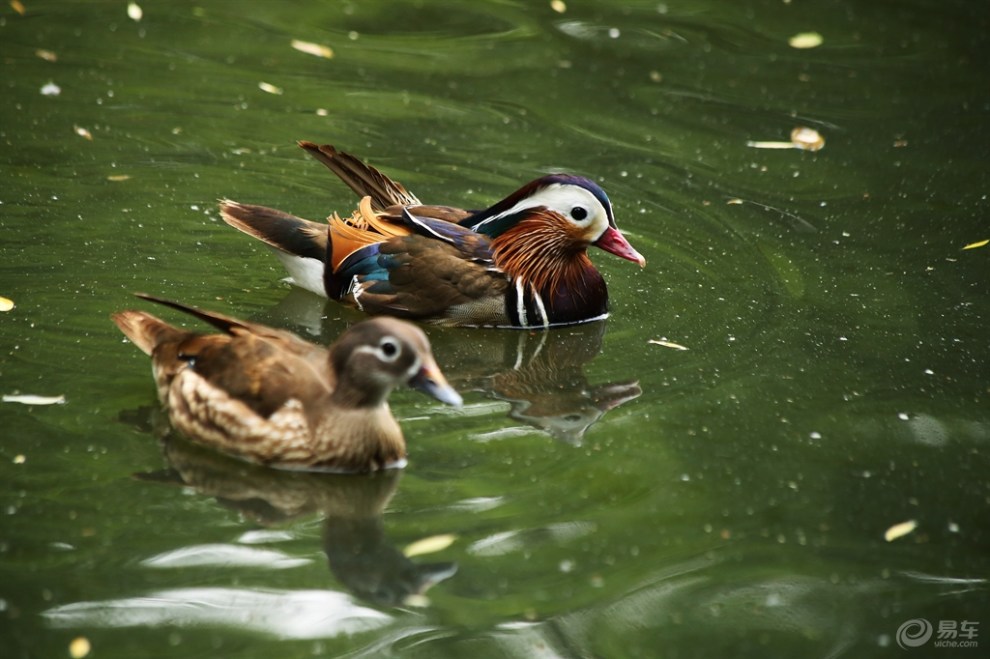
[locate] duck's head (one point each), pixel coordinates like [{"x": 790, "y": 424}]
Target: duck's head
[
  {"x": 575, "y": 205},
  {"x": 377, "y": 355}
]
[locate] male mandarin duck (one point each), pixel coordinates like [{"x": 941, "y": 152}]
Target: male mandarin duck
[
  {"x": 269, "y": 397},
  {"x": 521, "y": 263}
]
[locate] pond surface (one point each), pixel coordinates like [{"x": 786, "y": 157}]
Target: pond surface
[{"x": 602, "y": 493}]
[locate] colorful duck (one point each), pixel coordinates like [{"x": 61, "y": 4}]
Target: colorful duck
[{"x": 520, "y": 263}]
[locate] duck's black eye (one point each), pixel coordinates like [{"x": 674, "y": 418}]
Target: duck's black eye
[
  {"x": 579, "y": 213},
  {"x": 389, "y": 348}
]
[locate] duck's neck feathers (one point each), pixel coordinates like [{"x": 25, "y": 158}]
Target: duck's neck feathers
[{"x": 552, "y": 280}]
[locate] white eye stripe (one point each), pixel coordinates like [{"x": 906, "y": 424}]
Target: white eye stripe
[
  {"x": 388, "y": 349},
  {"x": 414, "y": 369},
  {"x": 560, "y": 198}
]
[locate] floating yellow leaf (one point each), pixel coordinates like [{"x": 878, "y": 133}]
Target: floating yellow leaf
[
  {"x": 802, "y": 137},
  {"x": 18, "y": 6},
  {"x": 805, "y": 40},
  {"x": 47, "y": 55},
  {"x": 735, "y": 202},
  {"x": 118, "y": 177},
  {"x": 315, "y": 49},
  {"x": 558, "y": 6},
  {"x": 6, "y": 304},
  {"x": 82, "y": 132},
  {"x": 899, "y": 530},
  {"x": 79, "y": 647},
  {"x": 416, "y": 600},
  {"x": 762, "y": 144},
  {"x": 806, "y": 138},
  {"x": 271, "y": 89},
  {"x": 19, "y": 459},
  {"x": 667, "y": 344},
  {"x": 979, "y": 243},
  {"x": 134, "y": 11},
  {"x": 31, "y": 399},
  {"x": 429, "y": 545}
]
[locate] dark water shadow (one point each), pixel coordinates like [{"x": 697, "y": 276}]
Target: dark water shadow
[{"x": 359, "y": 552}]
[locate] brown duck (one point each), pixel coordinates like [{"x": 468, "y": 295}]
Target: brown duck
[{"x": 269, "y": 397}]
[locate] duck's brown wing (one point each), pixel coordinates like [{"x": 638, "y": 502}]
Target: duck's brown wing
[
  {"x": 362, "y": 178},
  {"x": 260, "y": 371},
  {"x": 260, "y": 365}
]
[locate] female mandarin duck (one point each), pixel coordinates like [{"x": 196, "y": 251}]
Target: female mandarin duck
[
  {"x": 267, "y": 396},
  {"x": 522, "y": 262}
]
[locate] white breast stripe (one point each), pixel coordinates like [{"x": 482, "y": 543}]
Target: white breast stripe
[
  {"x": 538, "y": 301},
  {"x": 521, "y": 303},
  {"x": 356, "y": 289}
]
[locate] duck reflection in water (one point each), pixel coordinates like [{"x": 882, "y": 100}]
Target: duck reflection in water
[
  {"x": 359, "y": 552},
  {"x": 539, "y": 374}
]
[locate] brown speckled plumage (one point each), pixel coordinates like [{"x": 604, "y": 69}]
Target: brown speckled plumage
[{"x": 269, "y": 397}]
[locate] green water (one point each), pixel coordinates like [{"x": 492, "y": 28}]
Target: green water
[{"x": 609, "y": 496}]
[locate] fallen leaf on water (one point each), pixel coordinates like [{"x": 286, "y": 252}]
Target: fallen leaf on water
[
  {"x": 134, "y": 11},
  {"x": 31, "y": 399},
  {"x": 763, "y": 144},
  {"x": 17, "y": 6},
  {"x": 558, "y": 6},
  {"x": 118, "y": 177},
  {"x": 417, "y": 600},
  {"x": 806, "y": 138},
  {"x": 19, "y": 459},
  {"x": 50, "y": 89},
  {"x": 899, "y": 530},
  {"x": 315, "y": 49},
  {"x": 47, "y": 55},
  {"x": 979, "y": 243},
  {"x": 735, "y": 202},
  {"x": 805, "y": 40},
  {"x": 668, "y": 344},
  {"x": 271, "y": 89},
  {"x": 79, "y": 647},
  {"x": 82, "y": 132},
  {"x": 6, "y": 304},
  {"x": 802, "y": 137},
  {"x": 429, "y": 545}
]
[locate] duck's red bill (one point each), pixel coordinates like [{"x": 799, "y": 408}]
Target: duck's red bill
[{"x": 614, "y": 242}]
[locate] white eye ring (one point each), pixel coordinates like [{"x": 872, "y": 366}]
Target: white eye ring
[{"x": 389, "y": 349}]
